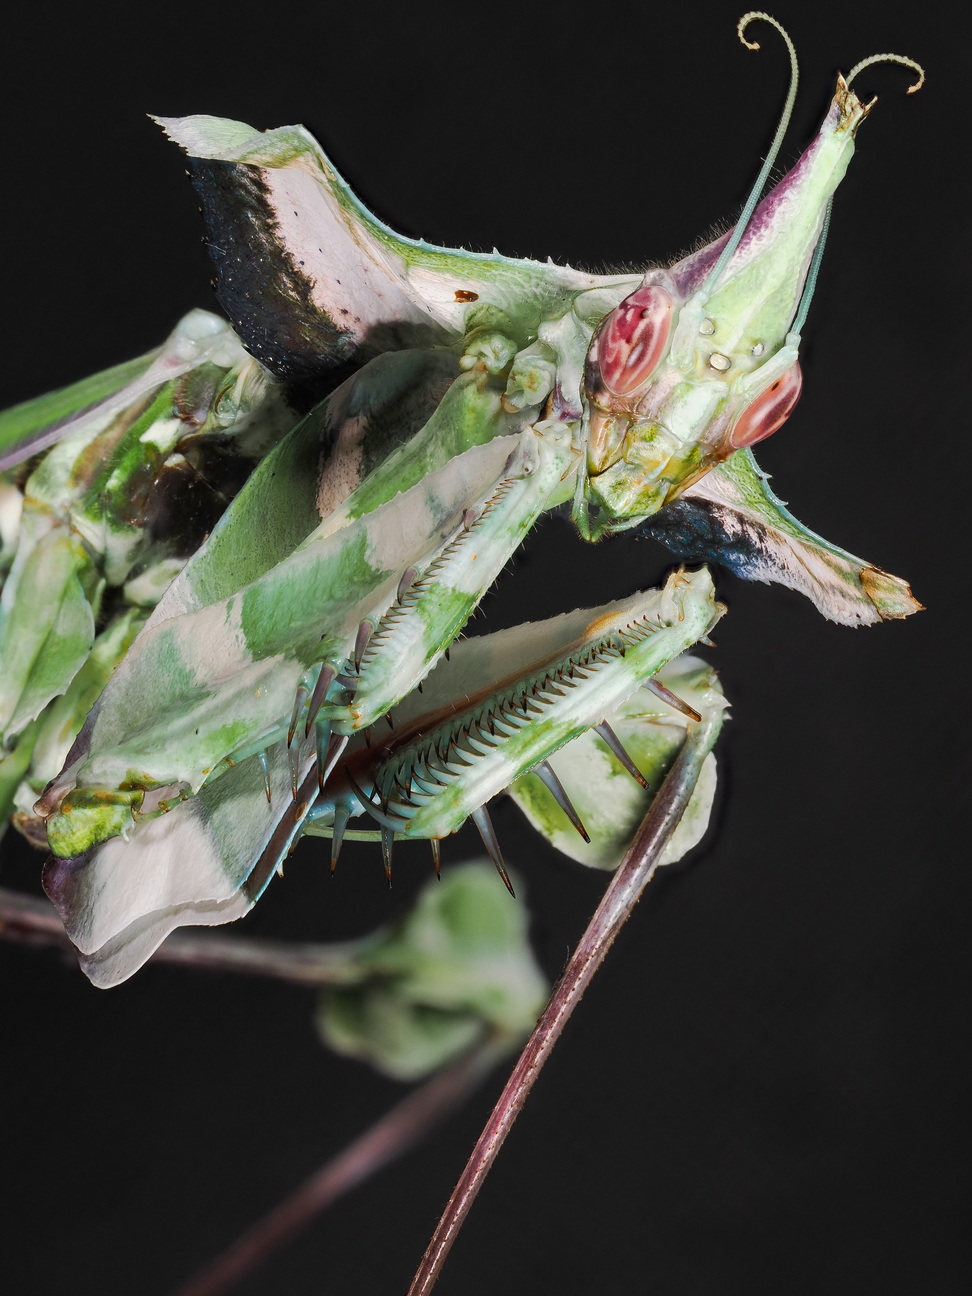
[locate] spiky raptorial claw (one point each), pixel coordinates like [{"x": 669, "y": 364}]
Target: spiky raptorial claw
[
  {"x": 293, "y": 759},
  {"x": 666, "y": 695},
  {"x": 378, "y": 813},
  {"x": 365, "y": 631},
  {"x": 477, "y": 723},
  {"x": 300, "y": 701},
  {"x": 546, "y": 774},
  {"x": 387, "y": 845},
  {"x": 322, "y": 742},
  {"x": 407, "y": 581},
  {"x": 480, "y": 817},
  {"x": 651, "y": 734},
  {"x": 265, "y": 766},
  {"x": 621, "y": 752},
  {"x": 341, "y": 817},
  {"x": 324, "y": 680}
]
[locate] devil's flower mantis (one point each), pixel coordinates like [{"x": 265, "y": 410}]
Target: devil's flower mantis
[{"x": 466, "y": 395}]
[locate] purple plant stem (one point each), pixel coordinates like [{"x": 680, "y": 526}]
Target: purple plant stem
[
  {"x": 623, "y": 892},
  {"x": 390, "y": 1136},
  {"x": 33, "y": 921}
]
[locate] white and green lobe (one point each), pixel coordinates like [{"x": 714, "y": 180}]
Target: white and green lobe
[{"x": 610, "y": 803}]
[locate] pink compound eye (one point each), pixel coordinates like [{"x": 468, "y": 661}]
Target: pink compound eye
[
  {"x": 634, "y": 338},
  {"x": 769, "y": 411}
]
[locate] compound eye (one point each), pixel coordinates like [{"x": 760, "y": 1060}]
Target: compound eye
[
  {"x": 769, "y": 411},
  {"x": 633, "y": 339}
]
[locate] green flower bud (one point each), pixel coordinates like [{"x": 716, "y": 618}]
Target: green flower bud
[{"x": 456, "y": 967}]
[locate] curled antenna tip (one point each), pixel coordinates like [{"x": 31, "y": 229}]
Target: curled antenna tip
[
  {"x": 749, "y": 207},
  {"x": 890, "y": 58},
  {"x": 753, "y": 16}
]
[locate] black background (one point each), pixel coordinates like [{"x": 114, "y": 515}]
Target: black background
[{"x": 765, "y": 1090}]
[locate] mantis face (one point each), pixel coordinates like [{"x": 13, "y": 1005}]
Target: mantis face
[{"x": 702, "y": 359}]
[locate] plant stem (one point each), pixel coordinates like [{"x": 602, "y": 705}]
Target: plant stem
[
  {"x": 623, "y": 892},
  {"x": 32, "y": 921},
  {"x": 390, "y": 1136}
]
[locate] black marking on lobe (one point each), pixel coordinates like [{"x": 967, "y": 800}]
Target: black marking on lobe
[
  {"x": 258, "y": 283},
  {"x": 702, "y": 531}
]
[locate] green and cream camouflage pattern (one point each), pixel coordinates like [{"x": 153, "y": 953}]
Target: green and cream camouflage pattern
[
  {"x": 411, "y": 411},
  {"x": 139, "y": 464}
]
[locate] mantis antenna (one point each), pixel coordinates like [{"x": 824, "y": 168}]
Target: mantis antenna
[
  {"x": 757, "y": 189},
  {"x": 805, "y": 299},
  {"x": 890, "y": 58}
]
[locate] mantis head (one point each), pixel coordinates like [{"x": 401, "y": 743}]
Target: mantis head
[{"x": 702, "y": 359}]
